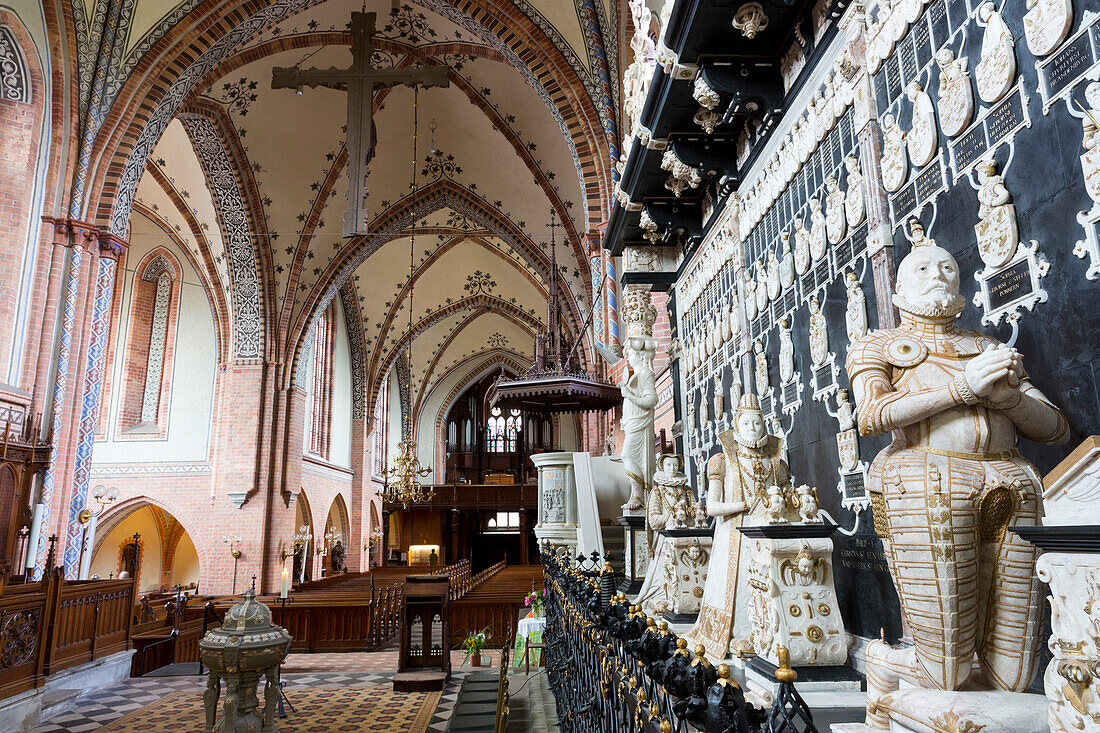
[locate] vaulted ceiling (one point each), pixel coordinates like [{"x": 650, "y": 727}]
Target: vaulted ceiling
[{"x": 252, "y": 180}]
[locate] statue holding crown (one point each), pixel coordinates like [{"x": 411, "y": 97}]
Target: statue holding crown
[
  {"x": 739, "y": 480},
  {"x": 947, "y": 489}
]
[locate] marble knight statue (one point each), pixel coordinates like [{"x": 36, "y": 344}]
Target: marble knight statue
[
  {"x": 946, "y": 489},
  {"x": 738, "y": 484}
]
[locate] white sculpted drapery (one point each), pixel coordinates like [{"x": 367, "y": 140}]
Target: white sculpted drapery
[{"x": 639, "y": 398}]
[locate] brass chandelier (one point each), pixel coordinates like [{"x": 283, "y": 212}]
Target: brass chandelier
[{"x": 404, "y": 473}]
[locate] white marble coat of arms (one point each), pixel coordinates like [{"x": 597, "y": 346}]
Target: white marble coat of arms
[
  {"x": 955, "y": 93},
  {"x": 1046, "y": 24}
]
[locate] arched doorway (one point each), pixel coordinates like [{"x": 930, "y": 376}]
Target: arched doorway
[
  {"x": 334, "y": 543},
  {"x": 148, "y": 543}
]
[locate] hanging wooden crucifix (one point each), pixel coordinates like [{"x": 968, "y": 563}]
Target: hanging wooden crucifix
[{"x": 360, "y": 81}]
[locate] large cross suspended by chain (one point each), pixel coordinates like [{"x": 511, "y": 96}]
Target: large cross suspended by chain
[{"x": 359, "y": 80}]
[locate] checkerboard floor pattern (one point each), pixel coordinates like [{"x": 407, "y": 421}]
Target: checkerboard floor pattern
[{"x": 99, "y": 707}]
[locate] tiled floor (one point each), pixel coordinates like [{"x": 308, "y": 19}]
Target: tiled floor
[{"x": 97, "y": 708}]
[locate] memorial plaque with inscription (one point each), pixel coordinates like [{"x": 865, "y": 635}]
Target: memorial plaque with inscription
[
  {"x": 790, "y": 392},
  {"x": 881, "y": 89},
  {"x": 823, "y": 378},
  {"x": 854, "y": 486},
  {"x": 859, "y": 241},
  {"x": 1069, "y": 64},
  {"x": 893, "y": 78},
  {"x": 766, "y": 406},
  {"x": 922, "y": 42},
  {"x": 1009, "y": 285},
  {"x": 903, "y": 203},
  {"x": 957, "y": 13},
  {"x": 937, "y": 17},
  {"x": 907, "y": 54},
  {"x": 969, "y": 146},
  {"x": 1005, "y": 118},
  {"x": 929, "y": 182}
]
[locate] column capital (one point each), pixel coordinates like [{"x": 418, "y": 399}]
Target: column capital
[
  {"x": 111, "y": 245},
  {"x": 70, "y": 232}
]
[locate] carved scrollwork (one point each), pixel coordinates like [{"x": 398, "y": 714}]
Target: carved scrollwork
[{"x": 18, "y": 638}]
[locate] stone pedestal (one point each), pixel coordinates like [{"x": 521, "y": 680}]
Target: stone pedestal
[
  {"x": 636, "y": 553},
  {"x": 793, "y": 601},
  {"x": 557, "y": 500},
  {"x": 677, "y": 575},
  {"x": 1070, "y": 565},
  {"x": 689, "y": 555}
]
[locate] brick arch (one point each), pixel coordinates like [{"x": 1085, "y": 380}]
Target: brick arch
[
  {"x": 479, "y": 301},
  {"x": 389, "y": 225},
  {"x": 420, "y": 392},
  {"x": 499, "y": 359},
  {"x": 236, "y": 198},
  {"x": 208, "y": 277},
  {"x": 184, "y": 56},
  {"x": 140, "y": 347},
  {"x": 422, "y": 269},
  {"x": 113, "y": 516},
  {"x": 22, "y": 108},
  {"x": 353, "y": 320},
  {"x": 157, "y": 260}
]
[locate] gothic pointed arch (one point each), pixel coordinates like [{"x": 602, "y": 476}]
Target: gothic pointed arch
[
  {"x": 240, "y": 213},
  {"x": 443, "y": 192}
]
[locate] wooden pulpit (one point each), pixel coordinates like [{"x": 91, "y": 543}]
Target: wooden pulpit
[{"x": 424, "y": 662}]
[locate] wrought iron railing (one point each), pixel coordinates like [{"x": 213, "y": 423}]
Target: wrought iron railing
[{"x": 612, "y": 668}]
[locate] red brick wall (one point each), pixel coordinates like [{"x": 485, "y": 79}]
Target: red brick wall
[{"x": 20, "y": 130}]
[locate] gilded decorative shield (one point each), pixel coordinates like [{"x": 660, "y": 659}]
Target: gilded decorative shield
[
  {"x": 1047, "y": 24},
  {"x": 848, "y": 448},
  {"x": 998, "y": 236},
  {"x": 1090, "y": 166}
]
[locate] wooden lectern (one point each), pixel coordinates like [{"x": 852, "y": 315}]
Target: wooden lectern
[{"x": 424, "y": 663}]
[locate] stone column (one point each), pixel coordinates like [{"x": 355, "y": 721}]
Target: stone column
[
  {"x": 557, "y": 499},
  {"x": 73, "y": 408}
]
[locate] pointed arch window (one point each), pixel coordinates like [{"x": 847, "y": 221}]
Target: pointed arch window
[
  {"x": 154, "y": 306},
  {"x": 502, "y": 431},
  {"x": 380, "y": 455},
  {"x": 320, "y": 394}
]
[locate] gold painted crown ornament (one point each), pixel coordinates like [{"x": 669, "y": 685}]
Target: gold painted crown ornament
[{"x": 749, "y": 403}]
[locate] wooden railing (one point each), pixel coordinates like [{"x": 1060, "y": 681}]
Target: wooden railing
[
  {"x": 494, "y": 601},
  {"x": 335, "y": 619},
  {"x": 57, "y": 624}
]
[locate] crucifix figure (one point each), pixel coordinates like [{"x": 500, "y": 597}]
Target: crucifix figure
[{"x": 360, "y": 81}]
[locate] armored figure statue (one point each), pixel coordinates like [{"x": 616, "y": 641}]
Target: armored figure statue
[
  {"x": 946, "y": 489},
  {"x": 835, "y": 221},
  {"x": 855, "y": 314}
]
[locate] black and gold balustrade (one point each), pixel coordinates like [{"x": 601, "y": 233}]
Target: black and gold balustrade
[{"x": 612, "y": 668}]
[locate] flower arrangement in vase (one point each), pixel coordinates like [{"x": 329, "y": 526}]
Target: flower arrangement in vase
[
  {"x": 535, "y": 600},
  {"x": 473, "y": 644}
]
